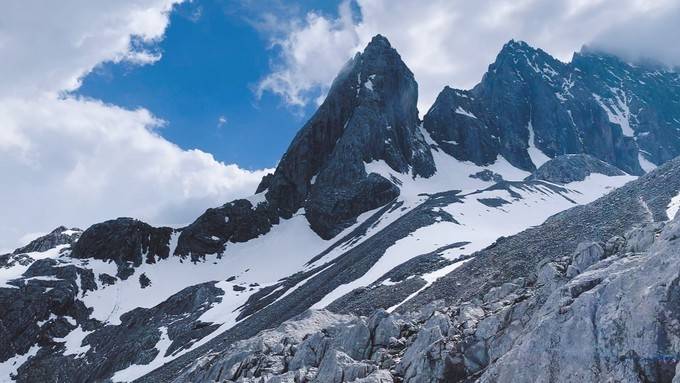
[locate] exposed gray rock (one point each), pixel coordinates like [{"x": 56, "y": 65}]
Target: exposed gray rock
[
  {"x": 383, "y": 328},
  {"x": 587, "y": 254},
  {"x": 369, "y": 114},
  {"x": 621, "y": 325},
  {"x": 338, "y": 367},
  {"x": 573, "y": 167},
  {"x": 618, "y": 317},
  {"x": 424, "y": 360},
  {"x": 125, "y": 241},
  {"x": 564, "y": 108},
  {"x": 355, "y": 340},
  {"x": 299, "y": 341}
]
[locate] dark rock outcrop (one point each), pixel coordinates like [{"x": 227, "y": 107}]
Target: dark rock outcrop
[
  {"x": 58, "y": 236},
  {"x": 237, "y": 221},
  {"x": 125, "y": 241},
  {"x": 136, "y": 340},
  {"x": 49, "y": 290},
  {"x": 573, "y": 167}
]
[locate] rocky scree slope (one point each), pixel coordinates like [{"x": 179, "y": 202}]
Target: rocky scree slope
[
  {"x": 530, "y": 107},
  {"x": 604, "y": 310}
]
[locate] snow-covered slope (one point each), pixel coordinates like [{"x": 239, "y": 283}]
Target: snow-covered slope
[{"x": 480, "y": 212}]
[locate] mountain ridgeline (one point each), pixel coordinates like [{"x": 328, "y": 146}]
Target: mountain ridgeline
[
  {"x": 528, "y": 108},
  {"x": 386, "y": 248},
  {"x": 597, "y": 104}
]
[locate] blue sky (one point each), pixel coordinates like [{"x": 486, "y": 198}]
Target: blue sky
[{"x": 213, "y": 56}]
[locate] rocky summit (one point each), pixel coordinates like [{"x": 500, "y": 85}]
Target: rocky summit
[
  {"x": 524, "y": 230},
  {"x": 530, "y": 107}
]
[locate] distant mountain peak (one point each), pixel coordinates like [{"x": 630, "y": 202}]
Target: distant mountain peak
[
  {"x": 379, "y": 40},
  {"x": 530, "y": 107},
  {"x": 370, "y": 114}
]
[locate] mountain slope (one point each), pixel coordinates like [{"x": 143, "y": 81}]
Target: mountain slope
[
  {"x": 368, "y": 209},
  {"x": 595, "y": 286},
  {"x": 370, "y": 114},
  {"x": 530, "y": 107}
]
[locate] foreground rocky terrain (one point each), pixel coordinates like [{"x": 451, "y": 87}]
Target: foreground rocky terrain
[
  {"x": 526, "y": 216},
  {"x": 606, "y": 311}
]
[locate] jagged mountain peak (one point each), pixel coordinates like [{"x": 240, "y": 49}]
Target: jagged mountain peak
[
  {"x": 514, "y": 47},
  {"x": 523, "y": 63},
  {"x": 530, "y": 107},
  {"x": 379, "y": 40},
  {"x": 370, "y": 114},
  {"x": 59, "y": 236},
  {"x": 378, "y": 47}
]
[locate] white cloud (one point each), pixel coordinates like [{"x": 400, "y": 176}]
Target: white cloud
[
  {"x": 72, "y": 161},
  {"x": 85, "y": 161},
  {"x": 49, "y": 46},
  {"x": 312, "y": 50},
  {"x": 451, "y": 42},
  {"x": 650, "y": 36}
]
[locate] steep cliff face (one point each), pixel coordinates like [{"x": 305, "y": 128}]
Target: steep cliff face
[
  {"x": 530, "y": 107},
  {"x": 369, "y": 114}
]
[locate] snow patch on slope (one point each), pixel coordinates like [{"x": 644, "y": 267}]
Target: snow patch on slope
[
  {"x": 14, "y": 272},
  {"x": 263, "y": 260},
  {"x": 73, "y": 341},
  {"x": 673, "y": 207},
  {"x": 464, "y": 112},
  {"x": 617, "y": 111},
  {"x": 645, "y": 164},
  {"x": 430, "y": 278},
  {"x": 480, "y": 225},
  {"x": 537, "y": 156},
  {"x": 8, "y": 368}
]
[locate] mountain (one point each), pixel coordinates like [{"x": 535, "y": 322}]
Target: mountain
[
  {"x": 434, "y": 246},
  {"x": 530, "y": 107},
  {"x": 590, "y": 295}
]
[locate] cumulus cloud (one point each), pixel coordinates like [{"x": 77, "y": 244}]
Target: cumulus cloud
[
  {"x": 311, "y": 50},
  {"x": 73, "y": 161},
  {"x": 451, "y": 42}
]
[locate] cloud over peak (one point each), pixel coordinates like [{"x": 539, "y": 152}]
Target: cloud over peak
[{"x": 447, "y": 42}]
